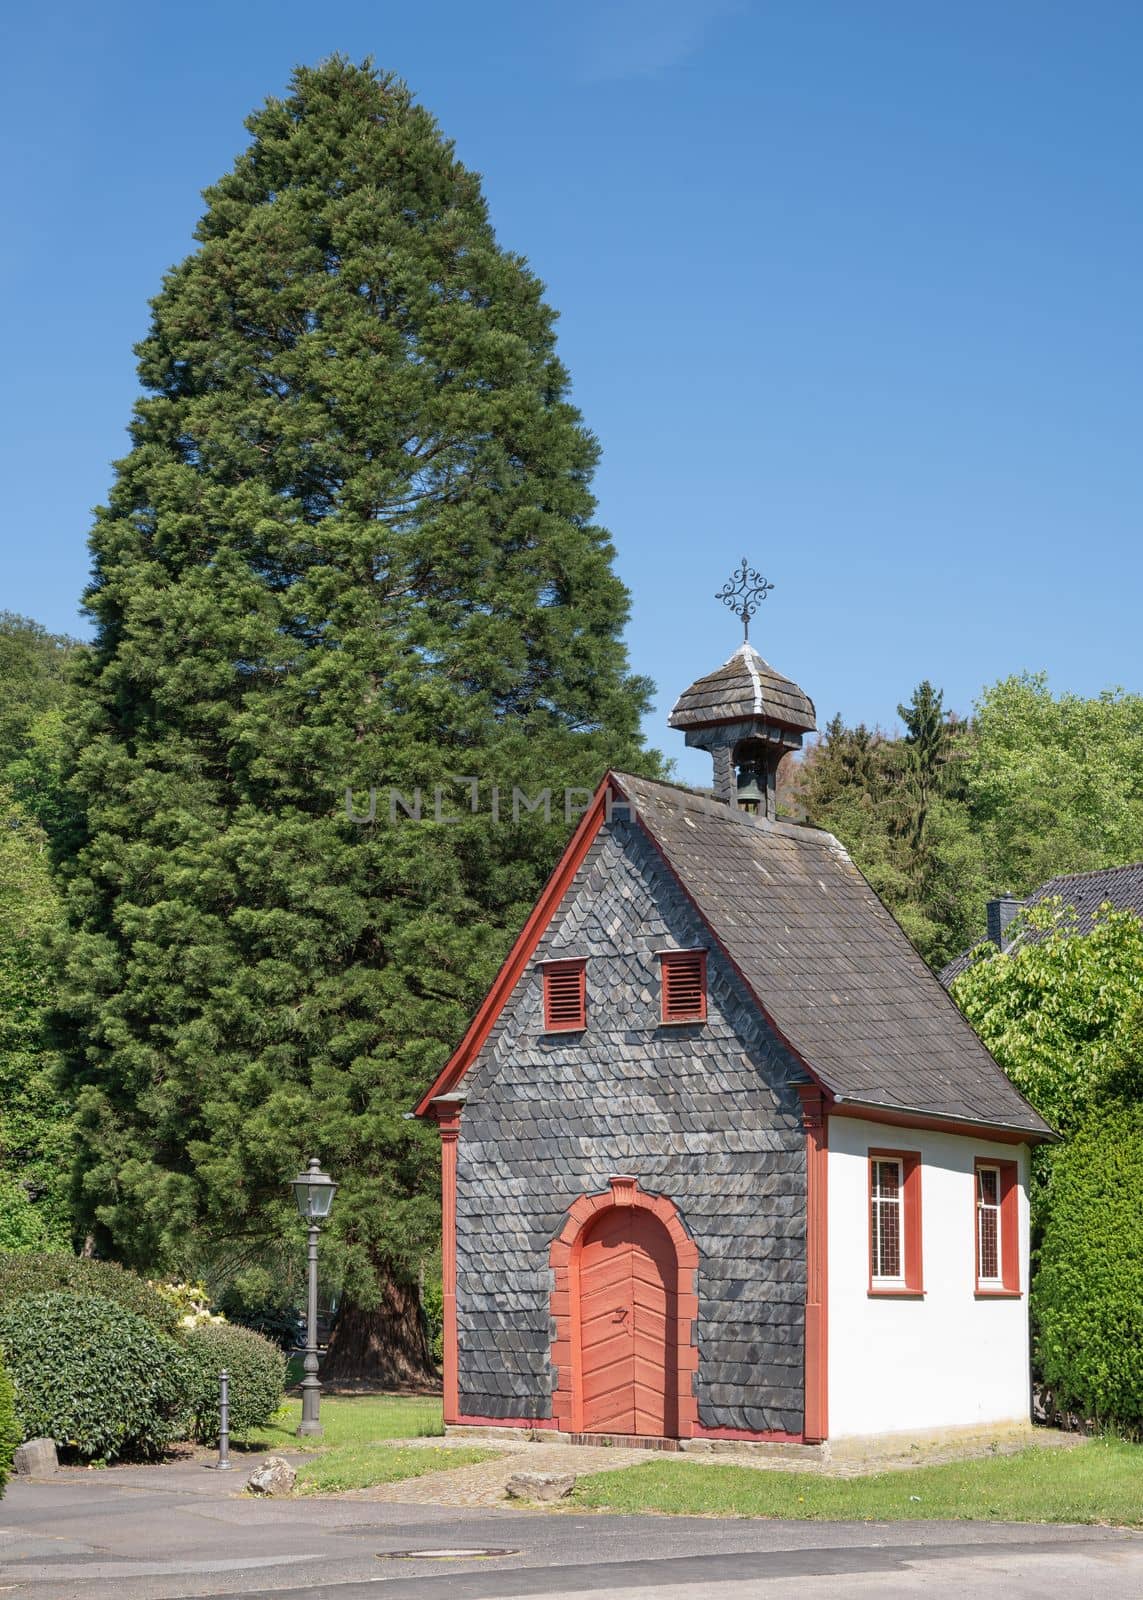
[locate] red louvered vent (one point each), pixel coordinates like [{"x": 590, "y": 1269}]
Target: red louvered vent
[
  {"x": 684, "y": 986},
  {"x": 565, "y": 996}
]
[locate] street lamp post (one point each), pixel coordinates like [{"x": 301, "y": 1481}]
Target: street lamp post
[{"x": 314, "y": 1191}]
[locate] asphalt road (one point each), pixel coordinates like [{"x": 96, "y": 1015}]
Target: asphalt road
[{"x": 164, "y": 1533}]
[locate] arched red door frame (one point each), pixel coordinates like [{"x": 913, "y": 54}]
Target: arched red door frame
[{"x": 563, "y": 1257}]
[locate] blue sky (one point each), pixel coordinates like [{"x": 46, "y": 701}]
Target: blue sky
[{"x": 851, "y": 287}]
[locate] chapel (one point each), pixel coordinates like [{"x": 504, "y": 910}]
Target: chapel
[{"x": 720, "y": 1157}]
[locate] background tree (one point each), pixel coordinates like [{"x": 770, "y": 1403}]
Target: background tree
[
  {"x": 1055, "y": 784},
  {"x": 926, "y": 746},
  {"x": 898, "y": 807},
  {"x": 352, "y": 545},
  {"x": 34, "y": 1132},
  {"x": 953, "y": 812}
]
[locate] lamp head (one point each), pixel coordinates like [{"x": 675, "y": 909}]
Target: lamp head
[{"x": 314, "y": 1191}]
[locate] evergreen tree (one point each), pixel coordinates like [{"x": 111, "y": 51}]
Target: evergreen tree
[
  {"x": 351, "y": 546},
  {"x": 926, "y": 739},
  {"x": 898, "y": 807}
]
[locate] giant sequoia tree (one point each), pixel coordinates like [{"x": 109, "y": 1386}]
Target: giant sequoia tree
[{"x": 352, "y": 546}]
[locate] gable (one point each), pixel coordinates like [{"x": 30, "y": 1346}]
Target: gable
[
  {"x": 830, "y": 971},
  {"x": 620, "y": 914}
]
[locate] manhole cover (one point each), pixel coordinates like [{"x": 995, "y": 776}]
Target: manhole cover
[{"x": 450, "y": 1553}]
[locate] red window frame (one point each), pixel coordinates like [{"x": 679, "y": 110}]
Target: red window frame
[
  {"x": 1007, "y": 1286},
  {"x": 910, "y": 1286},
  {"x": 679, "y": 968},
  {"x": 565, "y": 996}
]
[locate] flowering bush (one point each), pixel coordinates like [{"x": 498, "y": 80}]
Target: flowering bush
[{"x": 191, "y": 1303}]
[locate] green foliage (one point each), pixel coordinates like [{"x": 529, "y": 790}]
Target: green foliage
[
  {"x": 926, "y": 745},
  {"x": 1056, "y": 784},
  {"x": 35, "y": 1137},
  {"x": 34, "y": 1132},
  {"x": 33, "y": 680},
  {"x": 257, "y": 1370},
  {"x": 954, "y": 812},
  {"x": 190, "y": 1301},
  {"x": 97, "y": 1379},
  {"x": 432, "y": 1304},
  {"x": 1058, "y": 1013},
  {"x": 897, "y": 806},
  {"x": 23, "y": 1275},
  {"x": 352, "y": 545},
  {"x": 11, "y": 1433},
  {"x": 254, "y": 1301},
  {"x": 1087, "y": 1298}
]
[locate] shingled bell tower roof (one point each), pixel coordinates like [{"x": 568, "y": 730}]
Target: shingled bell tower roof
[
  {"x": 745, "y": 688},
  {"x": 746, "y": 715}
]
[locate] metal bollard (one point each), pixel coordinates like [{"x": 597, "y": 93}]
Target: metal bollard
[{"x": 224, "y": 1422}]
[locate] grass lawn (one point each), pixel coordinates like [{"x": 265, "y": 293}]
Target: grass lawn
[
  {"x": 361, "y": 1466},
  {"x": 354, "y": 1419},
  {"x": 1098, "y": 1482},
  {"x": 355, "y": 1451}
]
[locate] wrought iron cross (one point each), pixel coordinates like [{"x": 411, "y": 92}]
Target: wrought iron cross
[{"x": 744, "y": 592}]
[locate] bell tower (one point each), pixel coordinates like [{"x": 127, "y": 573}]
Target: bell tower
[{"x": 747, "y": 715}]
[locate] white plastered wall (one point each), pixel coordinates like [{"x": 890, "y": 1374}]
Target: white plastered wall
[{"x": 949, "y": 1359}]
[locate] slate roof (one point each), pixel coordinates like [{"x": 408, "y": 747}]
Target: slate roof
[
  {"x": 1085, "y": 892},
  {"x": 832, "y": 970},
  {"x": 745, "y": 686}
]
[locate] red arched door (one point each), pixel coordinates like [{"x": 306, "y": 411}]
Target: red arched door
[{"x": 628, "y": 1338}]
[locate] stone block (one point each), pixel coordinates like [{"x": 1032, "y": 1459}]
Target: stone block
[
  {"x": 36, "y": 1459},
  {"x": 271, "y": 1477},
  {"x": 539, "y": 1485}
]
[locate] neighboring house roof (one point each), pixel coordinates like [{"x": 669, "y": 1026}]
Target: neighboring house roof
[
  {"x": 743, "y": 688},
  {"x": 830, "y": 969},
  {"x": 1085, "y": 892}
]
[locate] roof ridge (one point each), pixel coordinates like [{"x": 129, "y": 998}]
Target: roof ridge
[
  {"x": 1093, "y": 872},
  {"x": 707, "y": 801}
]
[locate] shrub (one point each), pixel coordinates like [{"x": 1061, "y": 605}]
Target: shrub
[
  {"x": 191, "y": 1302},
  {"x": 23, "y": 1275},
  {"x": 10, "y": 1431},
  {"x": 254, "y": 1305},
  {"x": 257, "y": 1371},
  {"x": 1087, "y": 1296},
  {"x": 99, "y": 1380}
]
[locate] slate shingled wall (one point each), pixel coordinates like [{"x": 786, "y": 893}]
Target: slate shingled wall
[{"x": 706, "y": 1114}]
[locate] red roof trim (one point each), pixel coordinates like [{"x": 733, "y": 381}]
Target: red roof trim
[
  {"x": 529, "y": 937},
  {"x": 517, "y": 959}
]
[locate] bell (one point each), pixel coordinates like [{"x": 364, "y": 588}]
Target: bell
[{"x": 750, "y": 796}]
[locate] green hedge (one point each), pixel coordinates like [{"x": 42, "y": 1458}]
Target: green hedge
[
  {"x": 11, "y": 1434},
  {"x": 257, "y": 1369},
  {"x": 1087, "y": 1295},
  {"x": 23, "y": 1275},
  {"x": 99, "y": 1380}
]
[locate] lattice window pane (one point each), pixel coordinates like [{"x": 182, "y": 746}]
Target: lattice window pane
[
  {"x": 988, "y": 1224},
  {"x": 886, "y": 1220}
]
